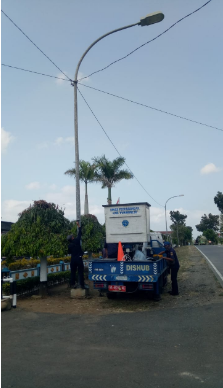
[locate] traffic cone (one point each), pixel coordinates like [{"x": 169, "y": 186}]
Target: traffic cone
[{"x": 121, "y": 256}]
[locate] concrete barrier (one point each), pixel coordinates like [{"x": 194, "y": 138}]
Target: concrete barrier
[{"x": 6, "y": 304}]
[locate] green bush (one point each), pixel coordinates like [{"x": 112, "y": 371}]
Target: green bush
[
  {"x": 40, "y": 231},
  {"x": 30, "y": 283},
  {"x": 6, "y": 288},
  {"x": 93, "y": 233},
  {"x": 67, "y": 259},
  {"x": 32, "y": 263},
  {"x": 23, "y": 264},
  {"x": 52, "y": 261}
]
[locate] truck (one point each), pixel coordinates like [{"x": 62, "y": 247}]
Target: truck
[
  {"x": 203, "y": 240},
  {"x": 141, "y": 268}
]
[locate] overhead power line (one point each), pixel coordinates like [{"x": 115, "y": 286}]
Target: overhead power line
[
  {"x": 151, "y": 107},
  {"x": 114, "y": 95},
  {"x": 116, "y": 148},
  {"x": 34, "y": 44},
  {"x": 144, "y": 44},
  {"x": 35, "y": 72}
]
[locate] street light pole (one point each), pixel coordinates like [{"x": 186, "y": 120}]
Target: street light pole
[
  {"x": 181, "y": 195},
  {"x": 147, "y": 20}
]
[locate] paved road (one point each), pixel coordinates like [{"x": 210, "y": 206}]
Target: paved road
[
  {"x": 215, "y": 255},
  {"x": 171, "y": 348}
]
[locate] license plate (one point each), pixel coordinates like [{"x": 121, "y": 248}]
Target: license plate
[{"x": 117, "y": 288}]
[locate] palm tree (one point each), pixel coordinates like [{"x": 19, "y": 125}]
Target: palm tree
[
  {"x": 108, "y": 172},
  {"x": 86, "y": 175}
]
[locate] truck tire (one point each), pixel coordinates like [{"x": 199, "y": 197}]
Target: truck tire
[{"x": 111, "y": 295}]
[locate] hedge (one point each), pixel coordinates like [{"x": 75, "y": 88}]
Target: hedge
[
  {"x": 32, "y": 263},
  {"x": 29, "y": 284}
]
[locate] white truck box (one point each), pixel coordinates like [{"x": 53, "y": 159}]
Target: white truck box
[{"x": 128, "y": 223}]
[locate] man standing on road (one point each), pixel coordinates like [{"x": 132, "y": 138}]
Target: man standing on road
[
  {"x": 74, "y": 248},
  {"x": 173, "y": 265}
]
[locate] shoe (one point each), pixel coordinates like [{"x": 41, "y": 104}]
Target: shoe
[{"x": 74, "y": 286}]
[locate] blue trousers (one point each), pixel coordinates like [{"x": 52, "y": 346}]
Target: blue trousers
[{"x": 77, "y": 264}]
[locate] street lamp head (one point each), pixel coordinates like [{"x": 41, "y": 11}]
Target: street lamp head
[{"x": 151, "y": 18}]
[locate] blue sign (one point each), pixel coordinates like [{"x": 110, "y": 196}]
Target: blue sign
[{"x": 125, "y": 223}]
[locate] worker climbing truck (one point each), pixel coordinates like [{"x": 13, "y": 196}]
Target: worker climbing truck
[{"x": 138, "y": 266}]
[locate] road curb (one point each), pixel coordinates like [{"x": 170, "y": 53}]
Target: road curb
[{"x": 213, "y": 268}]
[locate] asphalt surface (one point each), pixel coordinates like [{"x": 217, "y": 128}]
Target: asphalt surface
[
  {"x": 180, "y": 347},
  {"x": 215, "y": 254}
]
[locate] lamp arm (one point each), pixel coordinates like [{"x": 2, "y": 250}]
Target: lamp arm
[{"x": 96, "y": 41}]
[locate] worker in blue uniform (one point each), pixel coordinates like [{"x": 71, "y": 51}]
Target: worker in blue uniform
[
  {"x": 173, "y": 264},
  {"x": 74, "y": 248}
]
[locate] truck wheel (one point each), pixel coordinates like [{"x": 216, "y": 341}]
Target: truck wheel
[{"x": 111, "y": 295}]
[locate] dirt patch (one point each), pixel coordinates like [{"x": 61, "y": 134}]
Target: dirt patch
[{"x": 197, "y": 286}]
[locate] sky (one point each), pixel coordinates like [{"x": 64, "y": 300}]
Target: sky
[{"x": 180, "y": 73}]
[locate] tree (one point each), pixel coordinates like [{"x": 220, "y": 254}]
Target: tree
[
  {"x": 109, "y": 172},
  {"x": 181, "y": 234},
  {"x": 218, "y": 200},
  {"x": 210, "y": 235},
  {"x": 40, "y": 231},
  {"x": 93, "y": 233},
  {"x": 86, "y": 175},
  {"x": 177, "y": 218},
  {"x": 188, "y": 234},
  {"x": 221, "y": 223},
  {"x": 208, "y": 222}
]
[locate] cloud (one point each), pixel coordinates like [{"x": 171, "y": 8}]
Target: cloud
[
  {"x": 64, "y": 140},
  {"x": 82, "y": 75},
  {"x": 69, "y": 190},
  {"x": 6, "y": 139},
  {"x": 157, "y": 217},
  {"x": 58, "y": 142},
  {"x": 65, "y": 197},
  {"x": 98, "y": 211},
  {"x": 62, "y": 77},
  {"x": 33, "y": 186},
  {"x": 11, "y": 208},
  {"x": 209, "y": 169}
]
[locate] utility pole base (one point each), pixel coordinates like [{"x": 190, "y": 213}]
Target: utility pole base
[
  {"x": 76, "y": 293},
  {"x": 6, "y": 304},
  {"x": 43, "y": 290}
]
